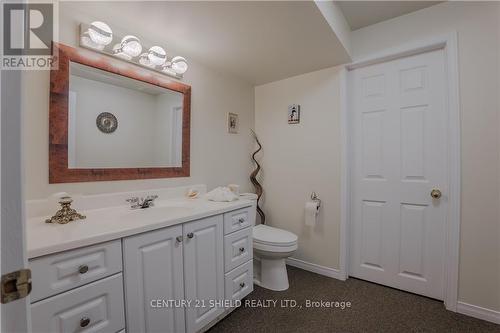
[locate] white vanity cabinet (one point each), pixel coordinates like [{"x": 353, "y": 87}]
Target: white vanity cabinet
[
  {"x": 174, "y": 278},
  {"x": 57, "y": 273},
  {"x": 95, "y": 307},
  {"x": 204, "y": 269},
  {"x": 238, "y": 253},
  {"x": 153, "y": 271},
  {"x": 183, "y": 262},
  {"x": 78, "y": 290}
]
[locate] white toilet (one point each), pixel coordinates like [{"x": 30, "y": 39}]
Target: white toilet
[{"x": 271, "y": 246}]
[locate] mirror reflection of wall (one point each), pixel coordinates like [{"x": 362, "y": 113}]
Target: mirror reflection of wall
[{"x": 149, "y": 122}]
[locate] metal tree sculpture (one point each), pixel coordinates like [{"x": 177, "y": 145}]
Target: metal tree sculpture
[{"x": 253, "y": 179}]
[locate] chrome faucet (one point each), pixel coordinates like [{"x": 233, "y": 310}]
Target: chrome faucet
[{"x": 136, "y": 203}]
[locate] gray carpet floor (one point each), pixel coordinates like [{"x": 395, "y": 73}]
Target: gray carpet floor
[{"x": 374, "y": 308}]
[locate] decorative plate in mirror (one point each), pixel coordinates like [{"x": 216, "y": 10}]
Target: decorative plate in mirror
[{"x": 106, "y": 122}]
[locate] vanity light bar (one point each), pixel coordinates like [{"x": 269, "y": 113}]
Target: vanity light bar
[{"x": 98, "y": 36}]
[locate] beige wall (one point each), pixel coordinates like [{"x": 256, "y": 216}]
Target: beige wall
[
  {"x": 301, "y": 158},
  {"x": 478, "y": 38},
  {"x": 217, "y": 157}
]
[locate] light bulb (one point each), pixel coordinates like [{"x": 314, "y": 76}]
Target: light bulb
[
  {"x": 118, "y": 52},
  {"x": 100, "y": 33},
  {"x": 179, "y": 65},
  {"x": 157, "y": 55},
  {"x": 131, "y": 45},
  {"x": 167, "y": 68},
  {"x": 144, "y": 60},
  {"x": 86, "y": 41}
]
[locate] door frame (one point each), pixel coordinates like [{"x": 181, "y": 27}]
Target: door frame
[
  {"x": 15, "y": 315},
  {"x": 449, "y": 44}
]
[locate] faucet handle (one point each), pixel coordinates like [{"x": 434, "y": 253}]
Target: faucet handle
[
  {"x": 136, "y": 202},
  {"x": 133, "y": 200}
]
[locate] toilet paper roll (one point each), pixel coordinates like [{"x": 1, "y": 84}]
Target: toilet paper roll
[{"x": 311, "y": 209}]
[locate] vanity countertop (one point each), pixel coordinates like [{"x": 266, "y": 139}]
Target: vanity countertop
[{"x": 111, "y": 223}]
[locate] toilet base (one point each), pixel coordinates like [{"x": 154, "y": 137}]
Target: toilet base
[{"x": 271, "y": 274}]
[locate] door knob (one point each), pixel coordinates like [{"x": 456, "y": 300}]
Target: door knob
[
  {"x": 178, "y": 239},
  {"x": 436, "y": 193},
  {"x": 190, "y": 235}
]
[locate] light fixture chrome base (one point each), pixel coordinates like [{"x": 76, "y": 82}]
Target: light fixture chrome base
[{"x": 108, "y": 51}]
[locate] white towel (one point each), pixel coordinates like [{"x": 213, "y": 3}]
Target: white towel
[
  {"x": 222, "y": 194},
  {"x": 248, "y": 196}
]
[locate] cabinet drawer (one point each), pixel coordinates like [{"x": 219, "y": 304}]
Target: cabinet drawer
[
  {"x": 239, "y": 282},
  {"x": 237, "y": 248},
  {"x": 238, "y": 219},
  {"x": 96, "y": 307},
  {"x": 56, "y": 273}
]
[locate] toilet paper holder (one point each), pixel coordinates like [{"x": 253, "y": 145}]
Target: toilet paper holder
[{"x": 314, "y": 197}]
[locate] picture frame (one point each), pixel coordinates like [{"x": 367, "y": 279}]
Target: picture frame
[
  {"x": 232, "y": 123},
  {"x": 294, "y": 114}
]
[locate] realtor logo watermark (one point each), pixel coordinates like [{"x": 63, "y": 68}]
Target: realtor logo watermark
[{"x": 28, "y": 31}]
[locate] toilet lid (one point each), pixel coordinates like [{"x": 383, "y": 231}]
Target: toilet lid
[{"x": 269, "y": 235}]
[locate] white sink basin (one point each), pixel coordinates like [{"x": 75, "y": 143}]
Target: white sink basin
[{"x": 157, "y": 213}]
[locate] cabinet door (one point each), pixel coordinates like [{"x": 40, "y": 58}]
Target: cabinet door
[
  {"x": 204, "y": 271},
  {"x": 154, "y": 274}
]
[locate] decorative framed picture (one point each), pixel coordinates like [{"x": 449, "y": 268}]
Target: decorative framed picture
[
  {"x": 294, "y": 114},
  {"x": 232, "y": 123}
]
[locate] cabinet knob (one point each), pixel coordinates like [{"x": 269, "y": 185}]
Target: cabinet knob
[
  {"x": 241, "y": 220},
  {"x": 84, "y": 322},
  {"x": 242, "y": 249},
  {"x": 178, "y": 239},
  {"x": 242, "y": 285},
  {"x": 83, "y": 269},
  {"x": 190, "y": 235}
]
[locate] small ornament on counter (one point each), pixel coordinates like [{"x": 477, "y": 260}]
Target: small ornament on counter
[
  {"x": 66, "y": 214},
  {"x": 193, "y": 194}
]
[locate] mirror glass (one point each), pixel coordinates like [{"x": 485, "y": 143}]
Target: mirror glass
[{"x": 118, "y": 122}]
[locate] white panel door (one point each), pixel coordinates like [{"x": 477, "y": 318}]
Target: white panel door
[
  {"x": 203, "y": 270},
  {"x": 154, "y": 272},
  {"x": 399, "y": 140}
]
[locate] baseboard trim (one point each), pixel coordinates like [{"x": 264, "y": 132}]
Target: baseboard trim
[
  {"x": 478, "y": 312},
  {"x": 315, "y": 268}
]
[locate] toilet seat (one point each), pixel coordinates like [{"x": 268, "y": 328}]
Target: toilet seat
[{"x": 271, "y": 239}]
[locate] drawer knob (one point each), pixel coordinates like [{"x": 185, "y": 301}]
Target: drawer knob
[
  {"x": 83, "y": 269},
  {"x": 242, "y": 249},
  {"x": 84, "y": 322},
  {"x": 242, "y": 285},
  {"x": 190, "y": 235},
  {"x": 241, "y": 220}
]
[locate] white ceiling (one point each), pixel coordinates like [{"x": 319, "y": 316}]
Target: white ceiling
[
  {"x": 258, "y": 41},
  {"x": 360, "y": 14}
]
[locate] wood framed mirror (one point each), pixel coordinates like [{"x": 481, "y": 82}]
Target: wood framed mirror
[{"x": 111, "y": 120}]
